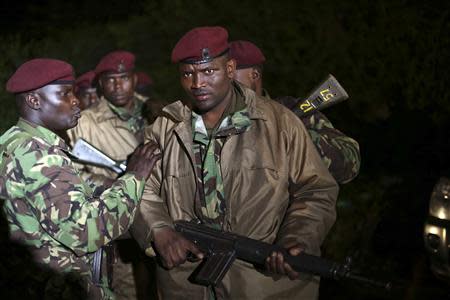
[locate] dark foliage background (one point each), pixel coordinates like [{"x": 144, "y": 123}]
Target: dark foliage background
[{"x": 392, "y": 57}]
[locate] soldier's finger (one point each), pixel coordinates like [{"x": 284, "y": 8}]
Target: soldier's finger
[
  {"x": 267, "y": 263},
  {"x": 153, "y": 160},
  {"x": 149, "y": 148},
  {"x": 152, "y": 154},
  {"x": 290, "y": 272},
  {"x": 194, "y": 250},
  {"x": 280, "y": 264},
  {"x": 296, "y": 250},
  {"x": 273, "y": 262},
  {"x": 174, "y": 258},
  {"x": 181, "y": 255},
  {"x": 167, "y": 261}
]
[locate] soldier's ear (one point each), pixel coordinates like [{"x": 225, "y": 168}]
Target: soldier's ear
[
  {"x": 231, "y": 67},
  {"x": 135, "y": 80},
  {"x": 33, "y": 100},
  {"x": 256, "y": 74},
  {"x": 100, "y": 83}
]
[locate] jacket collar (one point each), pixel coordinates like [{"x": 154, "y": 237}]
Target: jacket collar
[
  {"x": 43, "y": 133},
  {"x": 265, "y": 94},
  {"x": 104, "y": 112}
]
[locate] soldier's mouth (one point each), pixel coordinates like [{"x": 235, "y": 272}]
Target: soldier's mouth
[{"x": 201, "y": 95}]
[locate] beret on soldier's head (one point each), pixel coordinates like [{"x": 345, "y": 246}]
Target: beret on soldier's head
[
  {"x": 117, "y": 62},
  {"x": 85, "y": 80},
  {"x": 39, "y": 72},
  {"x": 143, "y": 79},
  {"x": 200, "y": 45},
  {"x": 246, "y": 54}
]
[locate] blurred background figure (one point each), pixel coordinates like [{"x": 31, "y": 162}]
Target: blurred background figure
[
  {"x": 339, "y": 152},
  {"x": 86, "y": 90},
  {"x": 144, "y": 89},
  {"x": 144, "y": 85}
]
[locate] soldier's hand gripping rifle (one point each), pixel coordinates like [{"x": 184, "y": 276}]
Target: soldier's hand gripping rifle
[
  {"x": 85, "y": 153},
  {"x": 222, "y": 248},
  {"x": 328, "y": 93}
]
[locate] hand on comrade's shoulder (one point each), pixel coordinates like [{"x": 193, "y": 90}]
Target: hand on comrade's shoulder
[{"x": 143, "y": 159}]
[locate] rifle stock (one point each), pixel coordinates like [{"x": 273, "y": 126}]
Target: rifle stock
[{"x": 326, "y": 94}]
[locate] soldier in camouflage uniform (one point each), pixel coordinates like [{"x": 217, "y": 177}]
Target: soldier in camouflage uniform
[
  {"x": 49, "y": 208},
  {"x": 339, "y": 152},
  {"x": 154, "y": 105}
]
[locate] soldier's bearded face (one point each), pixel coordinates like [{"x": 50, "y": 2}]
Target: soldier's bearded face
[
  {"x": 118, "y": 88},
  {"x": 58, "y": 107},
  {"x": 207, "y": 84}
]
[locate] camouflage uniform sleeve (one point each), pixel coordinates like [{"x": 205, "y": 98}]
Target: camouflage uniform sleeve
[
  {"x": 98, "y": 180},
  {"x": 339, "y": 152},
  {"x": 64, "y": 204}
]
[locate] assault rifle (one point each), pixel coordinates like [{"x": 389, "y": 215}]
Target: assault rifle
[
  {"x": 326, "y": 94},
  {"x": 222, "y": 248},
  {"x": 85, "y": 153}
]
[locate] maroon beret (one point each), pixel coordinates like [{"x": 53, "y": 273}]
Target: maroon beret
[
  {"x": 85, "y": 80},
  {"x": 39, "y": 72},
  {"x": 246, "y": 54},
  {"x": 200, "y": 45},
  {"x": 117, "y": 61},
  {"x": 143, "y": 79}
]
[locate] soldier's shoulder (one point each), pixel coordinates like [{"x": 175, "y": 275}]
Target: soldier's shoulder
[
  {"x": 274, "y": 110},
  {"x": 91, "y": 112},
  {"x": 318, "y": 115},
  {"x": 16, "y": 140},
  {"x": 176, "y": 112},
  {"x": 96, "y": 112},
  {"x": 170, "y": 118},
  {"x": 15, "y": 137},
  {"x": 140, "y": 97},
  {"x": 317, "y": 121}
]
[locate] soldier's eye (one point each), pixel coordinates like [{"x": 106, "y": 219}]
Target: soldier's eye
[
  {"x": 187, "y": 74},
  {"x": 209, "y": 71}
]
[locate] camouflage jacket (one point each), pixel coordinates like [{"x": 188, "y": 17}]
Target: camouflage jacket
[
  {"x": 339, "y": 152},
  {"x": 49, "y": 207}
]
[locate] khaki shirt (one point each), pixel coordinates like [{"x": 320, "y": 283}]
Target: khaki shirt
[{"x": 101, "y": 127}]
